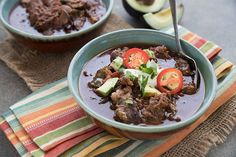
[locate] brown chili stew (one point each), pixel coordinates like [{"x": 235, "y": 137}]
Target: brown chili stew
[
  {"x": 127, "y": 101},
  {"x": 56, "y": 17}
]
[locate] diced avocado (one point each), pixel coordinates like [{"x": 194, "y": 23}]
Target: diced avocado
[
  {"x": 107, "y": 87},
  {"x": 117, "y": 63},
  {"x": 163, "y": 18},
  {"x": 150, "y": 91}
]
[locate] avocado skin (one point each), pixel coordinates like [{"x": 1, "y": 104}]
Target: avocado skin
[{"x": 132, "y": 12}]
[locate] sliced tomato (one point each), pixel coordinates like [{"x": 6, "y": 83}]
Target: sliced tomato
[
  {"x": 170, "y": 81},
  {"x": 135, "y": 57}
]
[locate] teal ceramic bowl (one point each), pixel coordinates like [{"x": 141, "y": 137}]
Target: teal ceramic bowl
[
  {"x": 55, "y": 43},
  {"x": 142, "y": 36}
]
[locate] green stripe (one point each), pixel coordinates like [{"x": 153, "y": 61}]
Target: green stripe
[
  {"x": 20, "y": 149},
  {"x": 38, "y": 153},
  {"x": 43, "y": 102},
  {"x": 146, "y": 146},
  {"x": 115, "y": 151},
  {"x": 14, "y": 123},
  {"x": 79, "y": 124},
  {"x": 81, "y": 146},
  {"x": 217, "y": 61},
  {"x": 207, "y": 46}
]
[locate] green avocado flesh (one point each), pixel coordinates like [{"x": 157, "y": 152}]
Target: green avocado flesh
[
  {"x": 150, "y": 91},
  {"x": 163, "y": 18},
  {"x": 107, "y": 87},
  {"x": 156, "y": 6}
]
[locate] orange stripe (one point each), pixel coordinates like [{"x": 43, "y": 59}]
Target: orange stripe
[
  {"x": 214, "y": 53},
  {"x": 179, "y": 136},
  {"x": 191, "y": 40},
  {"x": 188, "y": 36},
  {"x": 39, "y": 113},
  {"x": 14, "y": 140},
  {"x": 21, "y": 133}
]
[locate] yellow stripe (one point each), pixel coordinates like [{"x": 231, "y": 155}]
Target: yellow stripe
[
  {"x": 192, "y": 38},
  {"x": 108, "y": 147},
  {"x": 223, "y": 69},
  {"x": 48, "y": 115},
  {"x": 96, "y": 144},
  {"x": 1, "y": 121},
  {"x": 10, "y": 137},
  {"x": 23, "y": 138}
]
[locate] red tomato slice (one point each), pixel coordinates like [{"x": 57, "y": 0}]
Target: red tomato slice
[
  {"x": 135, "y": 57},
  {"x": 170, "y": 81}
]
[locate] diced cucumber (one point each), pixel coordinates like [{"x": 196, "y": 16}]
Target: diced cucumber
[
  {"x": 107, "y": 87},
  {"x": 117, "y": 63}
]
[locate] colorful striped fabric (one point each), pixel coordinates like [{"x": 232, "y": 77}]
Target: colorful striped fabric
[{"x": 50, "y": 123}]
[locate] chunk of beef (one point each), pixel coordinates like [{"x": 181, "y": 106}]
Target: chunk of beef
[
  {"x": 160, "y": 107},
  {"x": 125, "y": 81},
  {"x": 183, "y": 66},
  {"x": 189, "y": 89},
  {"x": 136, "y": 89},
  {"x": 161, "y": 52},
  {"x": 100, "y": 77},
  {"x": 92, "y": 14},
  {"x": 49, "y": 15},
  {"x": 118, "y": 53},
  {"x": 79, "y": 19},
  {"x": 75, "y": 4},
  {"x": 121, "y": 95},
  {"x": 127, "y": 114},
  {"x": 124, "y": 106},
  {"x": 102, "y": 73},
  {"x": 46, "y": 15}
]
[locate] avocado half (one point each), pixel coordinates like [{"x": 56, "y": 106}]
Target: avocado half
[
  {"x": 137, "y": 9},
  {"x": 163, "y": 18}
]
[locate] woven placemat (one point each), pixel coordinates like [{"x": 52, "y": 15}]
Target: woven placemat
[{"x": 38, "y": 69}]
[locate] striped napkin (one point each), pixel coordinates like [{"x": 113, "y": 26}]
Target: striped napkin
[{"x": 50, "y": 123}]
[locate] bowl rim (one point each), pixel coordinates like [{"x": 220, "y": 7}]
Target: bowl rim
[
  {"x": 138, "y": 128},
  {"x": 54, "y": 37}
]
